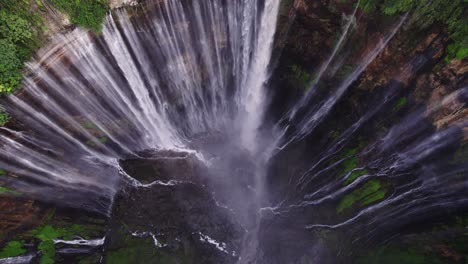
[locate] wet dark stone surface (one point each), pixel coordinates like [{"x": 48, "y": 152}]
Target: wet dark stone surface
[
  {"x": 184, "y": 219},
  {"x": 164, "y": 166}
]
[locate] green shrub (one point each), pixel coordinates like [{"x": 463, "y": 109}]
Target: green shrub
[
  {"x": 12, "y": 249},
  {"x": 21, "y": 25},
  {"x": 10, "y": 67},
  {"x": 14, "y": 28},
  {"x": 4, "y": 118},
  {"x": 86, "y": 13},
  {"x": 18, "y": 39}
]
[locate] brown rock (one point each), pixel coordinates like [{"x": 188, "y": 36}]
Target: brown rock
[{"x": 16, "y": 213}]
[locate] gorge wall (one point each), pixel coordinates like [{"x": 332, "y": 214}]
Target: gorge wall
[{"x": 348, "y": 145}]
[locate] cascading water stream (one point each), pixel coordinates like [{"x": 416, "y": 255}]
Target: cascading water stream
[
  {"x": 143, "y": 84},
  {"x": 164, "y": 77}
]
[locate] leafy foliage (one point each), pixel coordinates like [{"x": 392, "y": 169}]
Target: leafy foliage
[
  {"x": 20, "y": 27},
  {"x": 86, "y": 13},
  {"x": 12, "y": 249},
  {"x": 4, "y": 118},
  {"x": 14, "y": 28},
  {"x": 18, "y": 38},
  {"x": 10, "y": 67}
]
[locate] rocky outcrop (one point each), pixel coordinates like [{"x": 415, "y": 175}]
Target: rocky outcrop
[
  {"x": 17, "y": 214},
  {"x": 181, "y": 223},
  {"x": 409, "y": 82},
  {"x": 121, "y": 3},
  {"x": 165, "y": 166}
]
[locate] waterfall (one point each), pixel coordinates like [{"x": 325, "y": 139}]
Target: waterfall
[
  {"x": 185, "y": 87},
  {"x": 151, "y": 81},
  {"x": 253, "y": 95}
]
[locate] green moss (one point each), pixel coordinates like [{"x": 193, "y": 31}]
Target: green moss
[
  {"x": 374, "y": 197},
  {"x": 300, "y": 76},
  {"x": 59, "y": 227},
  {"x": 3, "y": 172},
  {"x": 350, "y": 152},
  {"x": 12, "y": 249},
  {"x": 424, "y": 14},
  {"x": 5, "y": 190},
  {"x": 19, "y": 37},
  {"x": 370, "y": 192},
  {"x": 39, "y": 3},
  {"x": 131, "y": 250},
  {"x": 89, "y": 125},
  {"x": 350, "y": 164},
  {"x": 455, "y": 50},
  {"x": 354, "y": 175},
  {"x": 394, "y": 7},
  {"x": 399, "y": 104},
  {"x": 102, "y": 139},
  {"x": 4, "y": 118}
]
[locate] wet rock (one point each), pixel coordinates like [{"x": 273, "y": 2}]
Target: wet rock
[
  {"x": 17, "y": 214},
  {"x": 56, "y": 235},
  {"x": 164, "y": 166},
  {"x": 434, "y": 86},
  {"x": 121, "y": 3},
  {"x": 176, "y": 223}
]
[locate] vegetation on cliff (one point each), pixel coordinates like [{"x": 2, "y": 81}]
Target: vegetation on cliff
[
  {"x": 451, "y": 14},
  {"x": 85, "y": 13},
  {"x": 22, "y": 27},
  {"x": 19, "y": 30},
  {"x": 4, "y": 118},
  {"x": 12, "y": 249},
  {"x": 54, "y": 225}
]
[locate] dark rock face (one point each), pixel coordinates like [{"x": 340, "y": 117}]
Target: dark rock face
[
  {"x": 173, "y": 216},
  {"x": 182, "y": 221},
  {"x": 164, "y": 166},
  {"x": 16, "y": 213},
  {"x": 409, "y": 76},
  {"x": 178, "y": 216}
]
